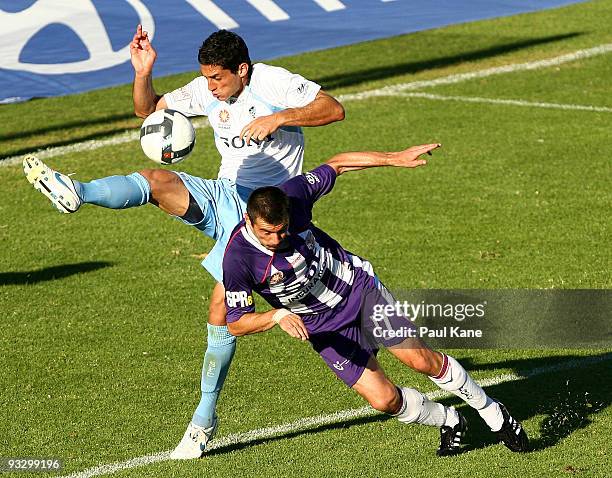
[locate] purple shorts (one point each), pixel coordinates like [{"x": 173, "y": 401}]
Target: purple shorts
[{"x": 346, "y": 351}]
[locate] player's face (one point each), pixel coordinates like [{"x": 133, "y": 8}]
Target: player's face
[
  {"x": 272, "y": 237},
  {"x": 224, "y": 84}
]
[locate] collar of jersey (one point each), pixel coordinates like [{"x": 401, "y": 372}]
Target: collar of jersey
[
  {"x": 250, "y": 236},
  {"x": 245, "y": 92}
]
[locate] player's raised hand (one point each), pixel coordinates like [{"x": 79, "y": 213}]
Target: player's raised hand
[
  {"x": 260, "y": 128},
  {"x": 142, "y": 53},
  {"x": 411, "y": 157},
  {"x": 293, "y": 325}
]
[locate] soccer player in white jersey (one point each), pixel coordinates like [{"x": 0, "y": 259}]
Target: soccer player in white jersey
[{"x": 256, "y": 112}]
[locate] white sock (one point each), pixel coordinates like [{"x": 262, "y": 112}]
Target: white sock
[
  {"x": 492, "y": 415},
  {"x": 417, "y": 408},
  {"x": 454, "y": 379}
]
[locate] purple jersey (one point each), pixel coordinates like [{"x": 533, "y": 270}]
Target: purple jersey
[{"x": 313, "y": 277}]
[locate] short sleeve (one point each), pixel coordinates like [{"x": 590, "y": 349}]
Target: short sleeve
[
  {"x": 193, "y": 99},
  {"x": 238, "y": 287},
  {"x": 283, "y": 88}
]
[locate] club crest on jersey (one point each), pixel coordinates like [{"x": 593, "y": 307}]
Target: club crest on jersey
[
  {"x": 224, "y": 116},
  {"x": 252, "y": 111},
  {"x": 276, "y": 278}
]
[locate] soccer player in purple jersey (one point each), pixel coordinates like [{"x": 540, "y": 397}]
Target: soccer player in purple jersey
[{"x": 317, "y": 290}]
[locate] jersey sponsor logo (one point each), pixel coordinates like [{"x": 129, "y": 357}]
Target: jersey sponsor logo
[
  {"x": 237, "y": 142},
  {"x": 312, "y": 178},
  {"x": 238, "y": 299}
]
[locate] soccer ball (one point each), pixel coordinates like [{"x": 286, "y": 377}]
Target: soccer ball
[{"x": 167, "y": 137}]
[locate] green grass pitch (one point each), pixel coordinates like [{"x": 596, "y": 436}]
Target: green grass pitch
[{"x": 103, "y": 313}]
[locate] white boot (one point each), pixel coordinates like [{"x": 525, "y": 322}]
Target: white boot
[{"x": 194, "y": 442}]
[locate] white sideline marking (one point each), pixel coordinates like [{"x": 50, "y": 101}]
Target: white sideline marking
[
  {"x": 338, "y": 417},
  {"x": 125, "y": 137},
  {"x": 500, "y": 101},
  {"x": 498, "y": 70},
  {"x": 385, "y": 91}
]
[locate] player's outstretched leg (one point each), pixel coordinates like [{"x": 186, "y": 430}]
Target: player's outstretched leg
[
  {"x": 411, "y": 406},
  {"x": 67, "y": 195},
  {"x": 449, "y": 375},
  {"x": 220, "y": 349},
  {"x": 59, "y": 188}
]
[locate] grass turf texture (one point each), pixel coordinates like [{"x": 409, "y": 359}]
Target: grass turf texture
[{"x": 103, "y": 312}]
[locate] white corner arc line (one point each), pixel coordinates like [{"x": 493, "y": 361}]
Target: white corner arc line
[
  {"x": 384, "y": 91},
  {"x": 501, "y": 101},
  {"x": 321, "y": 420}
]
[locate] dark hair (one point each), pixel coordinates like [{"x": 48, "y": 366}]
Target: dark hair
[
  {"x": 270, "y": 204},
  {"x": 225, "y": 49}
]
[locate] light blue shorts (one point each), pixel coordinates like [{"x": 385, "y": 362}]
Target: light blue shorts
[{"x": 223, "y": 204}]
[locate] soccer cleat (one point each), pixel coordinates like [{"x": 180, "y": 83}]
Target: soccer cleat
[
  {"x": 58, "y": 187},
  {"x": 194, "y": 442},
  {"x": 512, "y": 433},
  {"x": 450, "y": 438}
]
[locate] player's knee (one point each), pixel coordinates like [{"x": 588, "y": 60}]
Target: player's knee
[
  {"x": 385, "y": 401},
  {"x": 158, "y": 179}
]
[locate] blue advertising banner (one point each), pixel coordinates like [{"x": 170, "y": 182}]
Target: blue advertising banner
[{"x": 57, "y": 47}]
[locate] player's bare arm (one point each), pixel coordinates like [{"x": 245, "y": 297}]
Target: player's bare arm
[
  {"x": 255, "y": 322},
  {"x": 143, "y": 56},
  {"x": 354, "y": 161},
  {"x": 324, "y": 109}
]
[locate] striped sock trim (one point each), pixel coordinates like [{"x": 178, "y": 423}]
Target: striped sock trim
[
  {"x": 443, "y": 369},
  {"x": 402, "y": 408}
]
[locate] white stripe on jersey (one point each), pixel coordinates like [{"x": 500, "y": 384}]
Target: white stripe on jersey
[
  {"x": 308, "y": 279},
  {"x": 365, "y": 265},
  {"x": 342, "y": 270}
]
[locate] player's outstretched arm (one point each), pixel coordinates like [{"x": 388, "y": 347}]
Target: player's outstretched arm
[
  {"x": 324, "y": 109},
  {"x": 143, "y": 56},
  {"x": 354, "y": 161},
  {"x": 253, "y": 323}
]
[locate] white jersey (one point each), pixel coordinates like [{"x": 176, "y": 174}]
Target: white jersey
[{"x": 263, "y": 163}]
